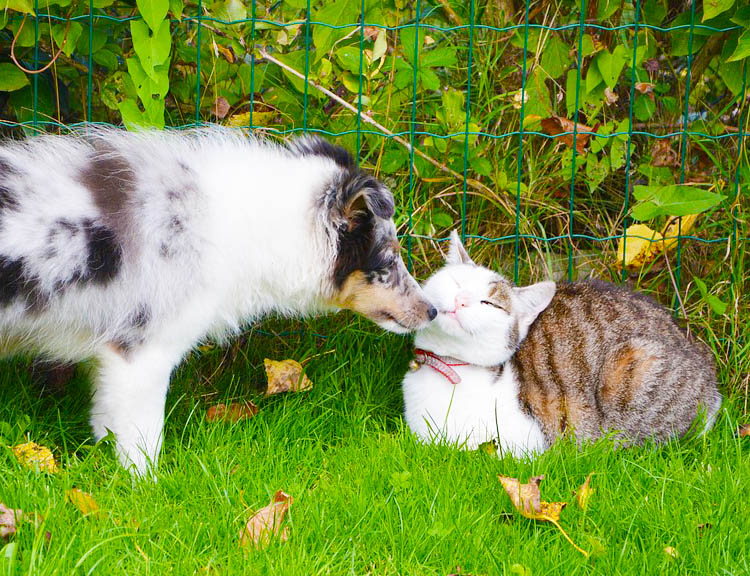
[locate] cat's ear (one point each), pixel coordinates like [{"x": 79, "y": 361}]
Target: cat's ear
[
  {"x": 529, "y": 302},
  {"x": 457, "y": 254}
]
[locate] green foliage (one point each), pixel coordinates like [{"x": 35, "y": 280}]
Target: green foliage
[{"x": 673, "y": 200}]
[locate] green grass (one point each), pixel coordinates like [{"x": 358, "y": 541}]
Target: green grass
[{"x": 368, "y": 499}]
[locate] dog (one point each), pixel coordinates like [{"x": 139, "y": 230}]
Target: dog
[{"x": 131, "y": 248}]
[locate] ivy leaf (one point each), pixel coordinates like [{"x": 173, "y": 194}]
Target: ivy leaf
[
  {"x": 743, "y": 48},
  {"x": 11, "y": 77},
  {"x": 714, "y": 302},
  {"x": 610, "y": 64},
  {"x": 335, "y": 13},
  {"x": 74, "y": 32},
  {"x": 23, "y": 6},
  {"x": 712, "y": 8},
  {"x": 153, "y": 12},
  {"x": 672, "y": 200},
  {"x": 151, "y": 50},
  {"x": 145, "y": 85},
  {"x": 348, "y": 58},
  {"x": 555, "y": 57}
]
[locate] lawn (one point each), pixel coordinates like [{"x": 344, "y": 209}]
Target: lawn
[{"x": 368, "y": 499}]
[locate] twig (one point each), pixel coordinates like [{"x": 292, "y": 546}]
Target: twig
[
  {"x": 442, "y": 167},
  {"x": 450, "y": 13},
  {"x": 674, "y": 283}
]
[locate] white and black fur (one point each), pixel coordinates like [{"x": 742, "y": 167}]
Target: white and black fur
[{"x": 130, "y": 248}]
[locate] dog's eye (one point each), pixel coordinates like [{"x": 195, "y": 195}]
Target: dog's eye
[{"x": 493, "y": 304}]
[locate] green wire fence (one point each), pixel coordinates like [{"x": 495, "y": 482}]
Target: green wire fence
[{"x": 464, "y": 107}]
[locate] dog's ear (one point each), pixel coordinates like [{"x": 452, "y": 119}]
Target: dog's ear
[{"x": 363, "y": 196}]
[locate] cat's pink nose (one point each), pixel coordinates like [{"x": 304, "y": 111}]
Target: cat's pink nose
[{"x": 461, "y": 300}]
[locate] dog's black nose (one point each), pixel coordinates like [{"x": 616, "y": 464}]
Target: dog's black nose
[{"x": 432, "y": 312}]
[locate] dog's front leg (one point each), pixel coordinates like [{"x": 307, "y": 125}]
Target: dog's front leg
[{"x": 131, "y": 390}]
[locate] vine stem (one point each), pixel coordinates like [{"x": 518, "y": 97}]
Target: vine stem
[{"x": 50, "y": 63}]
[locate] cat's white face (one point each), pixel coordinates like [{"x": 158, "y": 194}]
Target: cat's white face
[{"x": 481, "y": 317}]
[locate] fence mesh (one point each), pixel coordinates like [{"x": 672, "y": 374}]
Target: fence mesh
[{"x": 471, "y": 111}]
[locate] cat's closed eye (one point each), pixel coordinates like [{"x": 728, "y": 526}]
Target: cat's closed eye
[{"x": 493, "y": 304}]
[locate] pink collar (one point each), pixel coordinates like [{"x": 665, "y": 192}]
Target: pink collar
[{"x": 442, "y": 364}]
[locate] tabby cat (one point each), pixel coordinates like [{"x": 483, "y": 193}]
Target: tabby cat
[{"x": 525, "y": 366}]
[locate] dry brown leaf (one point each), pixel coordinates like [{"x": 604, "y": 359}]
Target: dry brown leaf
[
  {"x": 232, "y": 413},
  {"x": 645, "y": 88},
  {"x": 266, "y": 522},
  {"x": 584, "y": 493},
  {"x": 527, "y": 499},
  {"x": 744, "y": 431},
  {"x": 285, "y": 376},
  {"x": 371, "y": 32},
  {"x": 662, "y": 154},
  {"x": 558, "y": 125},
  {"x": 220, "y": 107},
  {"x": 9, "y": 519},
  {"x": 33, "y": 455},
  {"x": 227, "y": 53},
  {"x": 610, "y": 97},
  {"x": 83, "y": 501}
]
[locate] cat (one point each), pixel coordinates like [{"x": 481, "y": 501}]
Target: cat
[{"x": 524, "y": 366}]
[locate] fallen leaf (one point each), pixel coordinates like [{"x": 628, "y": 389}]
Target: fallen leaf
[
  {"x": 528, "y": 502},
  {"x": 670, "y": 551},
  {"x": 527, "y": 499},
  {"x": 584, "y": 493},
  {"x": 639, "y": 246},
  {"x": 744, "y": 431},
  {"x": 673, "y": 227},
  {"x": 225, "y": 52},
  {"x": 285, "y": 376},
  {"x": 662, "y": 154},
  {"x": 371, "y": 32},
  {"x": 644, "y": 87},
  {"x": 610, "y": 96},
  {"x": 9, "y": 519},
  {"x": 266, "y": 522},
  {"x": 83, "y": 501},
  {"x": 703, "y": 527},
  {"x": 554, "y": 125},
  {"x": 32, "y": 455},
  {"x": 220, "y": 108},
  {"x": 233, "y": 413}
]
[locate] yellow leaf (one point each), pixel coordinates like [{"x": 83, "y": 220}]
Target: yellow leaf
[
  {"x": 639, "y": 250},
  {"x": 32, "y": 455},
  {"x": 266, "y": 522},
  {"x": 242, "y": 120},
  {"x": 669, "y": 551},
  {"x": 584, "y": 493},
  {"x": 527, "y": 499},
  {"x": 673, "y": 228},
  {"x": 285, "y": 376},
  {"x": 83, "y": 501}
]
